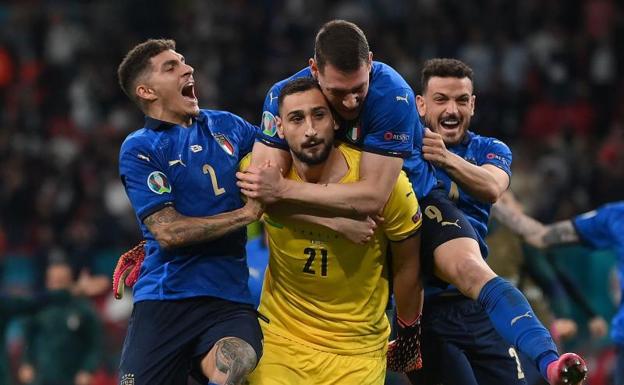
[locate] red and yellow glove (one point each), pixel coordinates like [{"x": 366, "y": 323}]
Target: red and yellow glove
[
  {"x": 404, "y": 352},
  {"x": 127, "y": 270}
]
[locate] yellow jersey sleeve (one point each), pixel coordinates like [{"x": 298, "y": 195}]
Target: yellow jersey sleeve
[{"x": 402, "y": 215}]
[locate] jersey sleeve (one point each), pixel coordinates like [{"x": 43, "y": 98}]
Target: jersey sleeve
[
  {"x": 402, "y": 215},
  {"x": 498, "y": 154},
  {"x": 146, "y": 183},
  {"x": 246, "y": 133},
  {"x": 593, "y": 228},
  {"x": 268, "y": 126},
  {"x": 391, "y": 122}
]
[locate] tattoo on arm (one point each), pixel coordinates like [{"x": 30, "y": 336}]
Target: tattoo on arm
[
  {"x": 560, "y": 233},
  {"x": 234, "y": 358},
  {"x": 173, "y": 229},
  {"x": 516, "y": 221}
]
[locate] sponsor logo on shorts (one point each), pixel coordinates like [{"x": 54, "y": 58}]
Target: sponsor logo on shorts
[
  {"x": 158, "y": 183},
  {"x": 269, "y": 124}
]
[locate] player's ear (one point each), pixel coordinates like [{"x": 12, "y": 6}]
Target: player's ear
[
  {"x": 370, "y": 60},
  {"x": 421, "y": 106},
  {"x": 313, "y": 68},
  {"x": 145, "y": 93},
  {"x": 473, "y": 98},
  {"x": 280, "y": 128}
]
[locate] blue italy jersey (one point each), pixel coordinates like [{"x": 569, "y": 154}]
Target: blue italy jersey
[
  {"x": 388, "y": 124},
  {"x": 192, "y": 169},
  {"x": 604, "y": 229},
  {"x": 478, "y": 150}
]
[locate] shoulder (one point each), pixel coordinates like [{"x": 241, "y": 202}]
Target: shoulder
[
  {"x": 277, "y": 87},
  {"x": 142, "y": 139},
  {"x": 385, "y": 78}
]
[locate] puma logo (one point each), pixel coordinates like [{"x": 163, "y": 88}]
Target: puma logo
[
  {"x": 271, "y": 97},
  {"x": 402, "y": 98},
  {"x": 525, "y": 315},
  {"x": 447, "y": 223}
]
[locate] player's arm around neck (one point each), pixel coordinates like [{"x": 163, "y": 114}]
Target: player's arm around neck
[
  {"x": 367, "y": 196},
  {"x": 172, "y": 229}
]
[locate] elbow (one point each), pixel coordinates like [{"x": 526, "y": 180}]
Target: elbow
[
  {"x": 492, "y": 195},
  {"x": 165, "y": 240},
  {"x": 371, "y": 206}
]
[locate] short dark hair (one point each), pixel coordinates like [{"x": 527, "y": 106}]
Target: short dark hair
[
  {"x": 295, "y": 86},
  {"x": 341, "y": 43},
  {"x": 444, "y": 68},
  {"x": 137, "y": 61}
]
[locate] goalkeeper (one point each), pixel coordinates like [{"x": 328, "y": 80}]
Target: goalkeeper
[{"x": 324, "y": 296}]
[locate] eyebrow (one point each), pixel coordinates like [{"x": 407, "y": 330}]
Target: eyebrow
[
  {"x": 301, "y": 112},
  {"x": 172, "y": 62}
]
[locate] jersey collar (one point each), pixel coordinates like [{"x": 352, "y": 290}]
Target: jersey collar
[{"x": 156, "y": 124}]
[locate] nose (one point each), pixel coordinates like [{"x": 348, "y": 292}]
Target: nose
[
  {"x": 309, "y": 129},
  {"x": 188, "y": 70},
  {"x": 351, "y": 101},
  {"x": 451, "y": 107}
]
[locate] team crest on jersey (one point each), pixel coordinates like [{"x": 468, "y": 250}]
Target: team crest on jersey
[
  {"x": 158, "y": 183},
  {"x": 354, "y": 134},
  {"x": 224, "y": 143},
  {"x": 269, "y": 124}
]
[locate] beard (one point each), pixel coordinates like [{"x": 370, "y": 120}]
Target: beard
[{"x": 316, "y": 158}]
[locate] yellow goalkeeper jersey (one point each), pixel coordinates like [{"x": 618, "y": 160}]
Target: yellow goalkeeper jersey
[{"x": 322, "y": 290}]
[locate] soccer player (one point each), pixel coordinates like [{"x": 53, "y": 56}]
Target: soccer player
[
  {"x": 192, "y": 311},
  {"x": 378, "y": 114},
  {"x": 324, "y": 296},
  {"x": 475, "y": 171},
  {"x": 602, "y": 228}
]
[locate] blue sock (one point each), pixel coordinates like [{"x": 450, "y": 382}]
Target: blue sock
[{"x": 515, "y": 321}]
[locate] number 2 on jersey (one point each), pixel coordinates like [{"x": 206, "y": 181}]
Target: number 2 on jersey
[
  {"x": 307, "y": 268},
  {"x": 207, "y": 169}
]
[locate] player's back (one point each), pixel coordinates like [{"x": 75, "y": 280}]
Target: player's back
[{"x": 324, "y": 291}]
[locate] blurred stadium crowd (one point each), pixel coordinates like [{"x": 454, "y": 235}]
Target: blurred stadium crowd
[{"x": 547, "y": 83}]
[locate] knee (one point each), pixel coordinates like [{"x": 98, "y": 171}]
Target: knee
[
  {"x": 229, "y": 361},
  {"x": 467, "y": 271}
]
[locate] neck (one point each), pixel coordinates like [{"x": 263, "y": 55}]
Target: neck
[
  {"x": 330, "y": 171},
  {"x": 160, "y": 113}
]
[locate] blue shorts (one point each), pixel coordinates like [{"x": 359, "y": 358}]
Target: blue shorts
[
  {"x": 451, "y": 224},
  {"x": 166, "y": 340},
  {"x": 461, "y": 347}
]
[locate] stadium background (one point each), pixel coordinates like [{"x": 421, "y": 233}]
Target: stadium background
[{"x": 548, "y": 83}]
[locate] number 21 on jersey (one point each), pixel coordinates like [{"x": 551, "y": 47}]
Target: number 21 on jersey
[{"x": 309, "y": 267}]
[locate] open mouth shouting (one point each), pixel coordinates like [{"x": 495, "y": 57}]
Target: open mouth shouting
[{"x": 188, "y": 91}]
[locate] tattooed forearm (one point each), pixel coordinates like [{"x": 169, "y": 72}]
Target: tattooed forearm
[
  {"x": 234, "y": 358},
  {"x": 560, "y": 233},
  {"x": 516, "y": 220},
  {"x": 172, "y": 229}
]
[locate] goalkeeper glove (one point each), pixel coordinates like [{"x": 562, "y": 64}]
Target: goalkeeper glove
[
  {"x": 127, "y": 270},
  {"x": 404, "y": 352}
]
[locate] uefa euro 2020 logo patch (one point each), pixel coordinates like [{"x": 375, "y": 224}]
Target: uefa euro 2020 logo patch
[
  {"x": 269, "y": 124},
  {"x": 127, "y": 379},
  {"x": 158, "y": 183}
]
